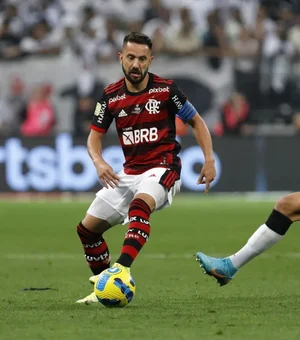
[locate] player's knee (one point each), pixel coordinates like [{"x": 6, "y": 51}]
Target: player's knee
[
  {"x": 82, "y": 230},
  {"x": 147, "y": 199},
  {"x": 286, "y": 205},
  {"x": 94, "y": 224}
]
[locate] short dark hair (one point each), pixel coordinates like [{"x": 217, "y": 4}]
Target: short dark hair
[{"x": 138, "y": 38}]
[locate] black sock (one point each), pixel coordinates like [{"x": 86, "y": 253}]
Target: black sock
[
  {"x": 278, "y": 222},
  {"x": 95, "y": 248}
]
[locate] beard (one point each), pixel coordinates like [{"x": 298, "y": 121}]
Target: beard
[{"x": 135, "y": 76}]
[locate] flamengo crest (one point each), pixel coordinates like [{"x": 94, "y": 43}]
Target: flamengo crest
[{"x": 152, "y": 106}]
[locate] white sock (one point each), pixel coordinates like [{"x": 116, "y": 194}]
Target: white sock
[{"x": 260, "y": 241}]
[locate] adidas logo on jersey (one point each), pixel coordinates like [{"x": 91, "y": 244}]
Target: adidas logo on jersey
[{"x": 122, "y": 114}]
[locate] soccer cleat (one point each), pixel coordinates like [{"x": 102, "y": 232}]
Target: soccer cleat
[
  {"x": 222, "y": 269},
  {"x": 93, "y": 279},
  {"x": 88, "y": 299},
  {"x": 92, "y": 297}
]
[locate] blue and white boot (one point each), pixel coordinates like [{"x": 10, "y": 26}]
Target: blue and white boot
[{"x": 220, "y": 268}]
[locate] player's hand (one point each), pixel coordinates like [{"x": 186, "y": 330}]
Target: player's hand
[
  {"x": 106, "y": 174},
  {"x": 208, "y": 174}
]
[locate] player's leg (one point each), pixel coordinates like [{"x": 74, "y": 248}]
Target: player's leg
[
  {"x": 285, "y": 212},
  {"x": 138, "y": 231},
  {"x": 150, "y": 195},
  {"x": 100, "y": 217},
  {"x": 108, "y": 209}
]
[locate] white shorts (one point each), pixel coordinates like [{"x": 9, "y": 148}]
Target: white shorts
[{"x": 112, "y": 205}]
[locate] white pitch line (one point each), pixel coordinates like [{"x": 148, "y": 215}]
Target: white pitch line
[
  {"x": 153, "y": 256},
  {"x": 62, "y": 256}
]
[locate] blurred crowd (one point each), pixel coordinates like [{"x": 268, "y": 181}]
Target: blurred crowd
[{"x": 262, "y": 37}]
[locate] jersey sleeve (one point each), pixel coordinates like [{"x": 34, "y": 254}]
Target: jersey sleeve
[
  {"x": 102, "y": 118},
  {"x": 180, "y": 105}
]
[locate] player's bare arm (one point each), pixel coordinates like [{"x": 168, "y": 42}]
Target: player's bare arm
[
  {"x": 203, "y": 137},
  {"x": 105, "y": 172}
]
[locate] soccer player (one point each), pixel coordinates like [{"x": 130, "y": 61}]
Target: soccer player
[
  {"x": 285, "y": 212},
  {"x": 144, "y": 107}
]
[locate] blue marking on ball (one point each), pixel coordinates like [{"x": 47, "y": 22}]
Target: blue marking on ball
[{"x": 102, "y": 281}]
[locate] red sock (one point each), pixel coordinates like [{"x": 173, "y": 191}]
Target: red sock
[
  {"x": 138, "y": 231},
  {"x": 95, "y": 248}
]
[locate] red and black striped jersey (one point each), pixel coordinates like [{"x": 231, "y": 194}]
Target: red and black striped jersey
[{"x": 145, "y": 123}]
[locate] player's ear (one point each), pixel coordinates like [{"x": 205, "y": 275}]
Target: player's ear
[
  {"x": 120, "y": 57},
  {"x": 151, "y": 59}
]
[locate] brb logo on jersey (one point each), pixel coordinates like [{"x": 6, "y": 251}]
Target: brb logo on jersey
[
  {"x": 140, "y": 136},
  {"x": 152, "y": 106},
  {"x": 99, "y": 111}
]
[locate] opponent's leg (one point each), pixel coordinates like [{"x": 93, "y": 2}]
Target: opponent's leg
[{"x": 285, "y": 212}]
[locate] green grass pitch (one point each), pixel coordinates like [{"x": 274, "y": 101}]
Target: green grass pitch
[{"x": 174, "y": 300}]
